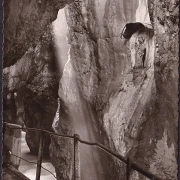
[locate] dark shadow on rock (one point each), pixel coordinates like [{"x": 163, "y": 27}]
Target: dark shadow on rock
[{"x": 131, "y": 28}]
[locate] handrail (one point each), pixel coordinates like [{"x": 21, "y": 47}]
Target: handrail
[
  {"x": 30, "y": 162},
  {"x": 40, "y": 130},
  {"x": 15, "y": 172},
  {"x": 104, "y": 148},
  {"x": 131, "y": 164}
]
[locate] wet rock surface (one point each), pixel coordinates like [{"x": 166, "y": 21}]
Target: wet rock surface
[
  {"x": 122, "y": 93},
  {"x": 127, "y": 97},
  {"x": 29, "y": 21},
  {"x": 35, "y": 79},
  {"x": 30, "y": 71},
  {"x": 160, "y": 130}
]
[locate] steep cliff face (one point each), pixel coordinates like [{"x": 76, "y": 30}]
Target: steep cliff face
[
  {"x": 24, "y": 24},
  {"x": 30, "y": 74},
  {"x": 159, "y": 132},
  {"x": 34, "y": 79},
  {"x": 118, "y": 92}
]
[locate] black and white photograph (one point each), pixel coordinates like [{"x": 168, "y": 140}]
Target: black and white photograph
[{"x": 90, "y": 89}]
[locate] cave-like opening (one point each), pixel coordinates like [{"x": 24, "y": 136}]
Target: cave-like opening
[{"x": 130, "y": 28}]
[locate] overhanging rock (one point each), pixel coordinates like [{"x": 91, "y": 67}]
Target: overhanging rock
[{"x": 130, "y": 28}]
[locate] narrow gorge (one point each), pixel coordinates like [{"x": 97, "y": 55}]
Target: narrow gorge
[{"x": 106, "y": 70}]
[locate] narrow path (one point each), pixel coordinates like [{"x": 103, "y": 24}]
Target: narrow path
[{"x": 28, "y": 169}]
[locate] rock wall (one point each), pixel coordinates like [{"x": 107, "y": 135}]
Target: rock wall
[
  {"x": 118, "y": 92},
  {"x": 162, "y": 122},
  {"x": 29, "y": 22},
  {"x": 31, "y": 75},
  {"x": 34, "y": 78}
]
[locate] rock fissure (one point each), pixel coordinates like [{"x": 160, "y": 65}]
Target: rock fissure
[{"x": 110, "y": 90}]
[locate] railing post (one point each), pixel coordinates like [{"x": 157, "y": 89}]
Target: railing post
[
  {"x": 77, "y": 175},
  {"x": 128, "y": 169},
  {"x": 40, "y": 155}
]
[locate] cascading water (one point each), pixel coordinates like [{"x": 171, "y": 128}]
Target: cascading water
[{"x": 82, "y": 119}]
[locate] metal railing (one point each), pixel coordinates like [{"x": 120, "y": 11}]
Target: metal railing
[{"x": 130, "y": 165}]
